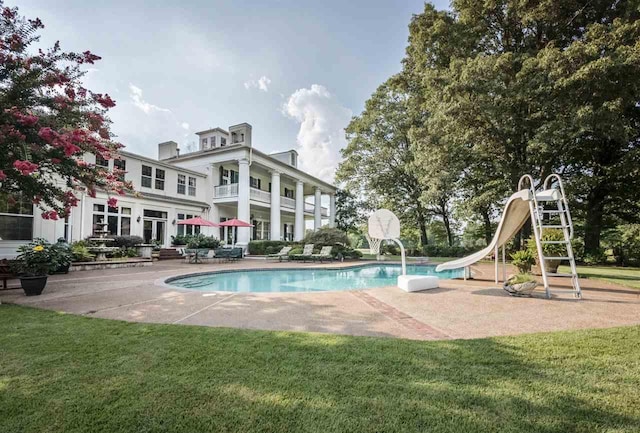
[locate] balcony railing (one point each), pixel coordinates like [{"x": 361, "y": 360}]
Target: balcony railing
[
  {"x": 259, "y": 195},
  {"x": 310, "y": 208},
  {"x": 287, "y": 202},
  {"x": 226, "y": 191}
]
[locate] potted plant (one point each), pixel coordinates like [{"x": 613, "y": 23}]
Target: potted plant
[
  {"x": 523, "y": 260},
  {"x": 549, "y": 250},
  {"x": 520, "y": 285},
  {"x": 63, "y": 254},
  {"x": 35, "y": 261}
]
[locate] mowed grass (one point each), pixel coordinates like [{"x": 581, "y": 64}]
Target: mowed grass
[
  {"x": 629, "y": 277},
  {"x": 64, "y": 373}
]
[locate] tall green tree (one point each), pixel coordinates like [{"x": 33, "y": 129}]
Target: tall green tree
[
  {"x": 534, "y": 87},
  {"x": 349, "y": 214},
  {"x": 378, "y": 162}
]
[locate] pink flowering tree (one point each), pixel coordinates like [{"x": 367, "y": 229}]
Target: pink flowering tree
[{"x": 49, "y": 122}]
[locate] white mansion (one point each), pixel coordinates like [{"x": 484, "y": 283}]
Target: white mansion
[{"x": 226, "y": 178}]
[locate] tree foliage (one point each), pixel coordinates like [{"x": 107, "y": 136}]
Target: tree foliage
[
  {"x": 49, "y": 121},
  {"x": 494, "y": 90}
]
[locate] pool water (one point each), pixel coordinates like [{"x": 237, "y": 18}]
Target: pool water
[{"x": 305, "y": 280}]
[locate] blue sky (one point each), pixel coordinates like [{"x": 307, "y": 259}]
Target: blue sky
[{"x": 295, "y": 70}]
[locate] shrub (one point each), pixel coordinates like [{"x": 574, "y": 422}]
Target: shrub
[
  {"x": 126, "y": 241},
  {"x": 294, "y": 251},
  {"x": 447, "y": 251},
  {"x": 523, "y": 260},
  {"x": 345, "y": 252},
  {"x": 549, "y": 250},
  {"x": 598, "y": 257},
  {"x": 203, "y": 242},
  {"x": 180, "y": 240},
  {"x": 260, "y": 248},
  {"x": 80, "y": 252},
  {"x": 327, "y": 236},
  {"x": 62, "y": 252},
  {"x": 626, "y": 249}
]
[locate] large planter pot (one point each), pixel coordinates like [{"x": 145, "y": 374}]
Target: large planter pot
[
  {"x": 523, "y": 289},
  {"x": 33, "y": 286},
  {"x": 551, "y": 266}
]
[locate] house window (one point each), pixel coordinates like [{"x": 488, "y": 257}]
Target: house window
[
  {"x": 159, "y": 179},
  {"x": 254, "y": 182},
  {"x": 261, "y": 230},
  {"x": 205, "y": 143},
  {"x": 16, "y": 218},
  {"x": 224, "y": 176},
  {"x": 288, "y": 193},
  {"x": 117, "y": 219},
  {"x": 182, "y": 182},
  {"x": 235, "y": 176},
  {"x": 223, "y": 141},
  {"x": 192, "y": 186},
  {"x": 101, "y": 162},
  {"x": 288, "y": 232},
  {"x": 120, "y": 164},
  {"x": 187, "y": 229},
  {"x": 146, "y": 176},
  {"x": 213, "y": 142}
]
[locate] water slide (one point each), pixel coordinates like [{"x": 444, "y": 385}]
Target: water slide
[{"x": 516, "y": 212}]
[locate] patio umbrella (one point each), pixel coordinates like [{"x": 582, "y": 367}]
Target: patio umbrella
[
  {"x": 198, "y": 221},
  {"x": 234, "y": 222}
]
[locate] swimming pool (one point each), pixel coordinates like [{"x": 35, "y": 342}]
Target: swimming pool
[{"x": 304, "y": 280}]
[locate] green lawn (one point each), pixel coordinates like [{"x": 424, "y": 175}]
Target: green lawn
[
  {"x": 63, "y": 373},
  {"x": 629, "y": 277}
]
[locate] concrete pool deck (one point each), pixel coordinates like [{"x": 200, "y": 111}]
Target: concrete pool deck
[{"x": 458, "y": 309}]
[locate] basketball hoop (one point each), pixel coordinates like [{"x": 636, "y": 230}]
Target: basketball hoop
[{"x": 385, "y": 225}]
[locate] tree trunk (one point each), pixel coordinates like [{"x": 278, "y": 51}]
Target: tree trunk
[
  {"x": 593, "y": 220},
  {"x": 488, "y": 232},
  {"x": 447, "y": 227},
  {"x": 422, "y": 225}
]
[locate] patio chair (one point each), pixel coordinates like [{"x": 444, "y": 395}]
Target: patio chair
[
  {"x": 324, "y": 254},
  {"x": 307, "y": 252},
  {"x": 283, "y": 253}
]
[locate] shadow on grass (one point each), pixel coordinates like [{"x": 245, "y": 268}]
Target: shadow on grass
[{"x": 74, "y": 374}]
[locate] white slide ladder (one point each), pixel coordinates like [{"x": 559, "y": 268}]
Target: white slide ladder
[{"x": 563, "y": 221}]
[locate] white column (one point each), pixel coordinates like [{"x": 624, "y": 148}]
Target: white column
[
  {"x": 275, "y": 206},
  {"x": 317, "y": 209},
  {"x": 332, "y": 210},
  {"x": 244, "y": 211},
  {"x": 299, "y": 222}
]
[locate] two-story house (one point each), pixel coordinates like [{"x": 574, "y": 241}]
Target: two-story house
[{"x": 225, "y": 178}]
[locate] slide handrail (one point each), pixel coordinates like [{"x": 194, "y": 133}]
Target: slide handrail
[{"x": 547, "y": 185}]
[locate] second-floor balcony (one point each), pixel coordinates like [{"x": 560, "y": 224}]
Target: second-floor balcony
[
  {"x": 226, "y": 191},
  {"x": 230, "y": 191},
  {"x": 310, "y": 208}
]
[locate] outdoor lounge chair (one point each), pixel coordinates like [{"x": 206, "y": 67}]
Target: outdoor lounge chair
[
  {"x": 283, "y": 253},
  {"x": 324, "y": 254},
  {"x": 307, "y": 252}
]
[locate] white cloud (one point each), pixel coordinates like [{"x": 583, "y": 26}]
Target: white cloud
[
  {"x": 135, "y": 93},
  {"x": 261, "y": 83},
  {"x": 321, "y": 136},
  {"x": 185, "y": 126}
]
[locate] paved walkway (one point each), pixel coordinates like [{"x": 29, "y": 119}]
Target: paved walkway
[{"x": 458, "y": 309}]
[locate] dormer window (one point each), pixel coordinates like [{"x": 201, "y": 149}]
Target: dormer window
[
  {"x": 223, "y": 141},
  {"x": 205, "y": 143}
]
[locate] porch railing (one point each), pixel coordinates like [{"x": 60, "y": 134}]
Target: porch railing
[
  {"x": 225, "y": 191},
  {"x": 259, "y": 195}
]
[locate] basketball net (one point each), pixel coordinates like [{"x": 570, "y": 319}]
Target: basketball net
[{"x": 374, "y": 245}]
